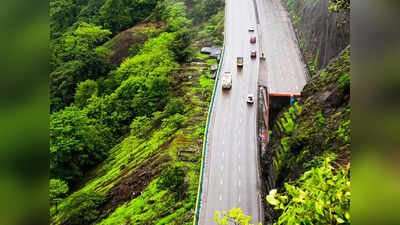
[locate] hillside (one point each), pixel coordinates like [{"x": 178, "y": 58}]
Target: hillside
[
  {"x": 306, "y": 168},
  {"x": 129, "y": 100},
  {"x": 306, "y": 134}
]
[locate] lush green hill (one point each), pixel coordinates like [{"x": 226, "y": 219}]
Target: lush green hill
[
  {"x": 308, "y": 157},
  {"x": 128, "y": 108}
]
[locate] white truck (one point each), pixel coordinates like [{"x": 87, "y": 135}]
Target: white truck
[{"x": 227, "y": 80}]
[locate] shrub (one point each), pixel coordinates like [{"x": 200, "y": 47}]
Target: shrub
[
  {"x": 58, "y": 190},
  {"x": 175, "y": 105},
  {"x": 321, "y": 196},
  {"x": 84, "y": 208},
  {"x": 172, "y": 178},
  {"x": 76, "y": 144},
  {"x": 84, "y": 91},
  {"x": 140, "y": 126}
]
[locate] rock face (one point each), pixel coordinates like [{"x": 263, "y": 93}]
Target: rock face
[
  {"x": 315, "y": 127},
  {"x": 321, "y": 34}
]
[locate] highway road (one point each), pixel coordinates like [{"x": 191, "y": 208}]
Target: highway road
[
  {"x": 231, "y": 175},
  {"x": 284, "y": 71}
]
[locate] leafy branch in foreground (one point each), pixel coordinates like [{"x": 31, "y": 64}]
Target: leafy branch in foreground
[
  {"x": 235, "y": 216},
  {"x": 322, "y": 196}
]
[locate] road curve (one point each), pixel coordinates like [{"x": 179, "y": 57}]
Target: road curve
[{"x": 231, "y": 176}]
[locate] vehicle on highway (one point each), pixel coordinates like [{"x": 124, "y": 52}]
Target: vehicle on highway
[
  {"x": 251, "y": 29},
  {"x": 253, "y": 40},
  {"x": 239, "y": 61},
  {"x": 262, "y": 57},
  {"x": 250, "y": 99},
  {"x": 227, "y": 80},
  {"x": 253, "y": 54}
]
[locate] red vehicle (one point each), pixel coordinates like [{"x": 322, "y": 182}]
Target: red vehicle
[
  {"x": 253, "y": 40},
  {"x": 253, "y": 54}
]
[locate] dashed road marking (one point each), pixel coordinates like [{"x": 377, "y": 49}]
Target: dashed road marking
[
  {"x": 223, "y": 154},
  {"x": 239, "y": 198},
  {"x": 223, "y": 142},
  {"x": 222, "y": 182},
  {"x": 220, "y": 197},
  {"x": 222, "y": 168},
  {"x": 239, "y": 168},
  {"x": 239, "y": 183}
]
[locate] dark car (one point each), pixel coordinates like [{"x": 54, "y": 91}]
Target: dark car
[
  {"x": 253, "y": 40},
  {"x": 253, "y": 54}
]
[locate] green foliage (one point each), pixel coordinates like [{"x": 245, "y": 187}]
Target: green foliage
[
  {"x": 83, "y": 208},
  {"x": 76, "y": 58},
  {"x": 181, "y": 45},
  {"x": 344, "y": 130},
  {"x": 175, "y": 16},
  {"x": 344, "y": 83},
  {"x": 288, "y": 124},
  {"x": 62, "y": 15},
  {"x": 321, "y": 119},
  {"x": 140, "y": 126},
  {"x": 58, "y": 190},
  {"x": 84, "y": 91},
  {"x": 76, "y": 144},
  {"x": 175, "y": 105},
  {"x": 172, "y": 178},
  {"x": 337, "y": 5},
  {"x": 234, "y": 215},
  {"x": 213, "y": 30},
  {"x": 204, "y": 9},
  {"x": 114, "y": 15},
  {"x": 321, "y": 196}
]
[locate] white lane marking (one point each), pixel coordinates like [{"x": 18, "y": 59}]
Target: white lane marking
[
  {"x": 222, "y": 168},
  {"x": 239, "y": 168},
  {"x": 239, "y": 142},
  {"x": 297, "y": 87},
  {"x": 220, "y": 197},
  {"x": 239, "y": 198},
  {"x": 222, "y": 182},
  {"x": 223, "y": 154},
  {"x": 239, "y": 157},
  {"x": 239, "y": 183},
  {"x": 223, "y": 142},
  {"x": 240, "y": 121}
]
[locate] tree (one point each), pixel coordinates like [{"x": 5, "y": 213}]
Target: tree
[
  {"x": 235, "y": 216},
  {"x": 84, "y": 91},
  {"x": 172, "y": 178},
  {"x": 181, "y": 45},
  {"x": 62, "y": 15},
  {"x": 58, "y": 190},
  {"x": 175, "y": 105},
  {"x": 114, "y": 16},
  {"x": 76, "y": 144},
  {"x": 83, "y": 208},
  {"x": 140, "y": 126}
]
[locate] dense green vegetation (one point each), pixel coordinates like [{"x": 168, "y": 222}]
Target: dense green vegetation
[
  {"x": 310, "y": 143},
  {"x": 124, "y": 110}
]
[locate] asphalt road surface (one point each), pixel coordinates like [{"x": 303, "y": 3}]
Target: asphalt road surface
[
  {"x": 283, "y": 71},
  {"x": 232, "y": 176}
]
